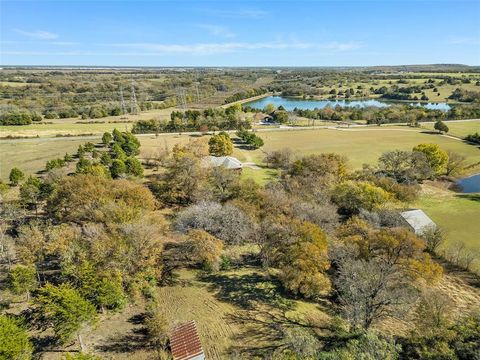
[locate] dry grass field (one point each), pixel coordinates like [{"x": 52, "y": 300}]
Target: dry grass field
[{"x": 361, "y": 146}]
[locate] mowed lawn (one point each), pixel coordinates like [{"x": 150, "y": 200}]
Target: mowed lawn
[
  {"x": 458, "y": 214},
  {"x": 359, "y": 145},
  {"x": 459, "y": 128},
  {"x": 237, "y": 311}
]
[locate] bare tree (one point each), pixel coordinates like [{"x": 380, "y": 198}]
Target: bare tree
[
  {"x": 6, "y": 246},
  {"x": 433, "y": 237},
  {"x": 372, "y": 290},
  {"x": 455, "y": 164},
  {"x": 226, "y": 222}
]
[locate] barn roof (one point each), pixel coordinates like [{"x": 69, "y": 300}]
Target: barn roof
[
  {"x": 228, "y": 162},
  {"x": 185, "y": 342},
  {"x": 418, "y": 221}
]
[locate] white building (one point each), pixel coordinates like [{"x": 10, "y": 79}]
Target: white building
[
  {"x": 228, "y": 162},
  {"x": 418, "y": 221}
]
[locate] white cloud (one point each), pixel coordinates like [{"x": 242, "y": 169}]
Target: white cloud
[
  {"x": 197, "y": 49},
  {"x": 241, "y": 13},
  {"x": 63, "y": 43},
  {"x": 38, "y": 34},
  {"x": 210, "y": 48},
  {"x": 339, "y": 46},
  {"x": 218, "y": 30},
  {"x": 464, "y": 40}
]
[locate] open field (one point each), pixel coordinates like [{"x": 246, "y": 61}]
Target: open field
[
  {"x": 361, "y": 146},
  {"x": 460, "y": 128},
  {"x": 458, "y": 214},
  {"x": 73, "y": 126},
  {"x": 30, "y": 155},
  {"x": 56, "y": 129}
]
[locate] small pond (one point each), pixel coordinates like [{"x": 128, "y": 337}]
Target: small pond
[
  {"x": 469, "y": 184},
  {"x": 292, "y": 103}
]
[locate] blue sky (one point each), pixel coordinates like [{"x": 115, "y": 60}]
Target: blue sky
[{"x": 239, "y": 33}]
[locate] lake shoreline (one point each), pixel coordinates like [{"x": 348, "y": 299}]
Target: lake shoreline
[{"x": 290, "y": 103}]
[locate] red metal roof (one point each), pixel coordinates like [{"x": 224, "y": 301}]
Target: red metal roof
[{"x": 185, "y": 342}]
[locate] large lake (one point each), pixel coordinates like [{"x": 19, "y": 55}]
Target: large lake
[{"x": 292, "y": 103}]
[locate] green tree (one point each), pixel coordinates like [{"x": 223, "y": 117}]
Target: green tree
[
  {"x": 107, "y": 138},
  {"x": 220, "y": 145},
  {"x": 204, "y": 249},
  {"x": 281, "y": 117},
  {"x": 82, "y": 165},
  {"x": 14, "y": 341},
  {"x": 65, "y": 309},
  {"x": 269, "y": 108},
  {"x": 31, "y": 192},
  {"x": 117, "y": 152},
  {"x": 134, "y": 167},
  {"x": 436, "y": 157},
  {"x": 184, "y": 176},
  {"x": 256, "y": 142},
  {"x": 80, "y": 151},
  {"x": 16, "y": 175},
  {"x": 157, "y": 325},
  {"x": 441, "y": 127},
  {"x": 96, "y": 170},
  {"x": 117, "y": 168},
  {"x": 54, "y": 164},
  {"x": 299, "y": 250},
  {"x": 352, "y": 196},
  {"x": 22, "y": 279},
  {"x": 130, "y": 144},
  {"x": 105, "y": 291},
  {"x": 105, "y": 159}
]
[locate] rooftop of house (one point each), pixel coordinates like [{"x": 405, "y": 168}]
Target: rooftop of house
[{"x": 185, "y": 342}]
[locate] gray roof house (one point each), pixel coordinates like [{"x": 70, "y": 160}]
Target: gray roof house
[
  {"x": 228, "y": 162},
  {"x": 418, "y": 221}
]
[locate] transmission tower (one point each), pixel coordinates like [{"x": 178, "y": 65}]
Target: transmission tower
[
  {"x": 122, "y": 102},
  {"x": 133, "y": 101},
  {"x": 181, "y": 98},
  {"x": 198, "y": 93}
]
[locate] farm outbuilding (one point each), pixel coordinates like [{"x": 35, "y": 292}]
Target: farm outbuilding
[
  {"x": 185, "y": 342},
  {"x": 418, "y": 221},
  {"x": 228, "y": 162}
]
